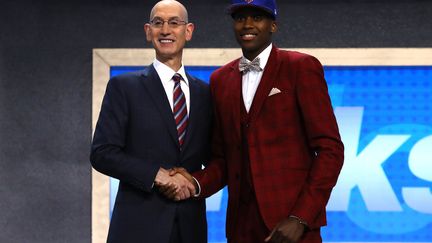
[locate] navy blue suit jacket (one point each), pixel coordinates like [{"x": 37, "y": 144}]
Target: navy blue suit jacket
[{"x": 135, "y": 136}]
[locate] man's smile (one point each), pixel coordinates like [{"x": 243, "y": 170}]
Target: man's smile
[
  {"x": 165, "y": 41},
  {"x": 248, "y": 36}
]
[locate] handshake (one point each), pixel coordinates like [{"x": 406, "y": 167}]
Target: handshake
[{"x": 176, "y": 184}]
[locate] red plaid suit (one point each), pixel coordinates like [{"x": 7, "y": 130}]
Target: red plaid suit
[{"x": 294, "y": 144}]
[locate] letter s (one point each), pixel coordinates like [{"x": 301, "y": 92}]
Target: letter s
[{"x": 420, "y": 164}]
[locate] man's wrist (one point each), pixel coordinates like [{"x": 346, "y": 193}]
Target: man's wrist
[
  {"x": 198, "y": 188},
  {"x": 300, "y": 220}
]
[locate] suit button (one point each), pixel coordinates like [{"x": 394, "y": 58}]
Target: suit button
[{"x": 247, "y": 125}]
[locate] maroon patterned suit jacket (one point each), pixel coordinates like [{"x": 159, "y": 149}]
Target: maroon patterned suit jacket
[{"x": 295, "y": 149}]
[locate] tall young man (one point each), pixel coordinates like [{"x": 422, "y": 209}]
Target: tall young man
[{"x": 276, "y": 142}]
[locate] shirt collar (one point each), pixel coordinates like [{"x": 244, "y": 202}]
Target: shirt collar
[
  {"x": 264, "y": 56},
  {"x": 166, "y": 73}
]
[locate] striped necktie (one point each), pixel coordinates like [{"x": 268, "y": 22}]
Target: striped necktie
[{"x": 179, "y": 109}]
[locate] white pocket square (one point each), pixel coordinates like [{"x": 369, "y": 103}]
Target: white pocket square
[{"x": 274, "y": 91}]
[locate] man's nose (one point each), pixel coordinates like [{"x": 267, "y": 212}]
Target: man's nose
[
  {"x": 165, "y": 29},
  {"x": 249, "y": 22}
]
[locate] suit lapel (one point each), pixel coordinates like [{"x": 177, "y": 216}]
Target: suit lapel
[
  {"x": 235, "y": 80},
  {"x": 194, "y": 101},
  {"x": 154, "y": 86},
  {"x": 266, "y": 83}
]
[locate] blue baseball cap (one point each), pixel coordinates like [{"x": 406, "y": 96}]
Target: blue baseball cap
[{"x": 268, "y": 6}]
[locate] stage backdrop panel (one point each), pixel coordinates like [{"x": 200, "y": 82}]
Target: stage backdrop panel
[{"x": 382, "y": 99}]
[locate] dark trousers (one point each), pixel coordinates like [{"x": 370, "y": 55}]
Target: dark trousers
[{"x": 175, "y": 233}]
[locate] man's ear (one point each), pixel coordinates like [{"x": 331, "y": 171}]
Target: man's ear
[
  {"x": 189, "y": 31},
  {"x": 147, "y": 31},
  {"x": 273, "y": 27}
]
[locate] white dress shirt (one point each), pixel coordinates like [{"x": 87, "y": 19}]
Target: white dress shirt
[
  {"x": 165, "y": 74},
  {"x": 251, "y": 79}
]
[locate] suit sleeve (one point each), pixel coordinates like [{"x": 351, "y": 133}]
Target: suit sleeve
[
  {"x": 214, "y": 176},
  {"x": 108, "y": 152},
  {"x": 323, "y": 140}
]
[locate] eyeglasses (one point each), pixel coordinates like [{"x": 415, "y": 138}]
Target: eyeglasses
[{"x": 172, "y": 23}]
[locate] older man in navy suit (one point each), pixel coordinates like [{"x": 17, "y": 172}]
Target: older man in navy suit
[{"x": 151, "y": 121}]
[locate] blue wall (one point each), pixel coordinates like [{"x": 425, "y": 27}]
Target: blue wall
[{"x": 385, "y": 119}]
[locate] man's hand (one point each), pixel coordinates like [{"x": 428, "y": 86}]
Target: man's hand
[
  {"x": 178, "y": 187},
  {"x": 184, "y": 172},
  {"x": 170, "y": 184},
  {"x": 163, "y": 178},
  {"x": 289, "y": 230}
]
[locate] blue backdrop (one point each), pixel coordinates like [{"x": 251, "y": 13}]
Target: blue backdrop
[{"x": 384, "y": 190}]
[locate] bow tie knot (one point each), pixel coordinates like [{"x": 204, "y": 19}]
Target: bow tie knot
[{"x": 246, "y": 66}]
